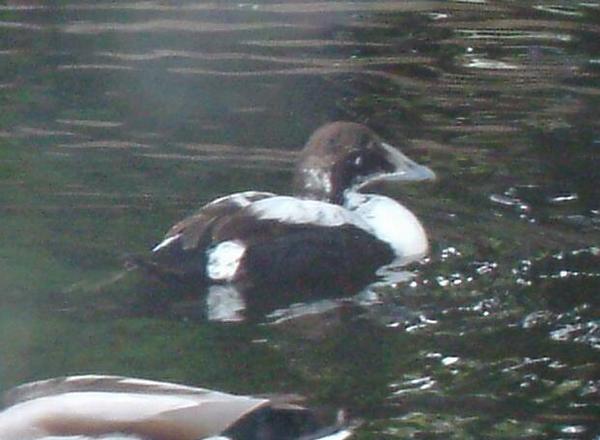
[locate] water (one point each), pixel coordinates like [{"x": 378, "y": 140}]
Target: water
[{"x": 120, "y": 118}]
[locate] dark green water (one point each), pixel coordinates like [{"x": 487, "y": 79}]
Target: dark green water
[{"x": 119, "y": 118}]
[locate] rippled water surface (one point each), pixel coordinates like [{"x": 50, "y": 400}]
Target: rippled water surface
[{"x": 118, "y": 118}]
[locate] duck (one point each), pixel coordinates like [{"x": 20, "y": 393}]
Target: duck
[
  {"x": 332, "y": 235},
  {"x": 88, "y": 407}
]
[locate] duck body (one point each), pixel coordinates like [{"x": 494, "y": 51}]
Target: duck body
[
  {"x": 121, "y": 408},
  {"x": 272, "y": 240},
  {"x": 328, "y": 237}
]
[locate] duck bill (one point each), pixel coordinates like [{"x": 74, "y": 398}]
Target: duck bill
[{"x": 405, "y": 169}]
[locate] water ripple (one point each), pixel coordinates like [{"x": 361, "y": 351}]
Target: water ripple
[{"x": 174, "y": 26}]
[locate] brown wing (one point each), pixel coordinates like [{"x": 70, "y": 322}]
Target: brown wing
[{"x": 193, "y": 228}]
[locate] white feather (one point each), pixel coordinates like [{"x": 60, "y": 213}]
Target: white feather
[
  {"x": 391, "y": 222},
  {"x": 298, "y": 211},
  {"x": 316, "y": 179},
  {"x": 340, "y": 435},
  {"x": 241, "y": 199},
  {"x": 224, "y": 260},
  {"x": 158, "y": 386},
  {"x": 167, "y": 241},
  {"x": 84, "y": 377}
]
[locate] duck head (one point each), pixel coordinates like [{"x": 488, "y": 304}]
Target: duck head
[{"x": 343, "y": 157}]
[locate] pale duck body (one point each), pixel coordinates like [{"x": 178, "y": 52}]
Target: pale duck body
[{"x": 121, "y": 408}]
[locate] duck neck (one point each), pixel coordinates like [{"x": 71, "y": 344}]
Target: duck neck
[{"x": 327, "y": 179}]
